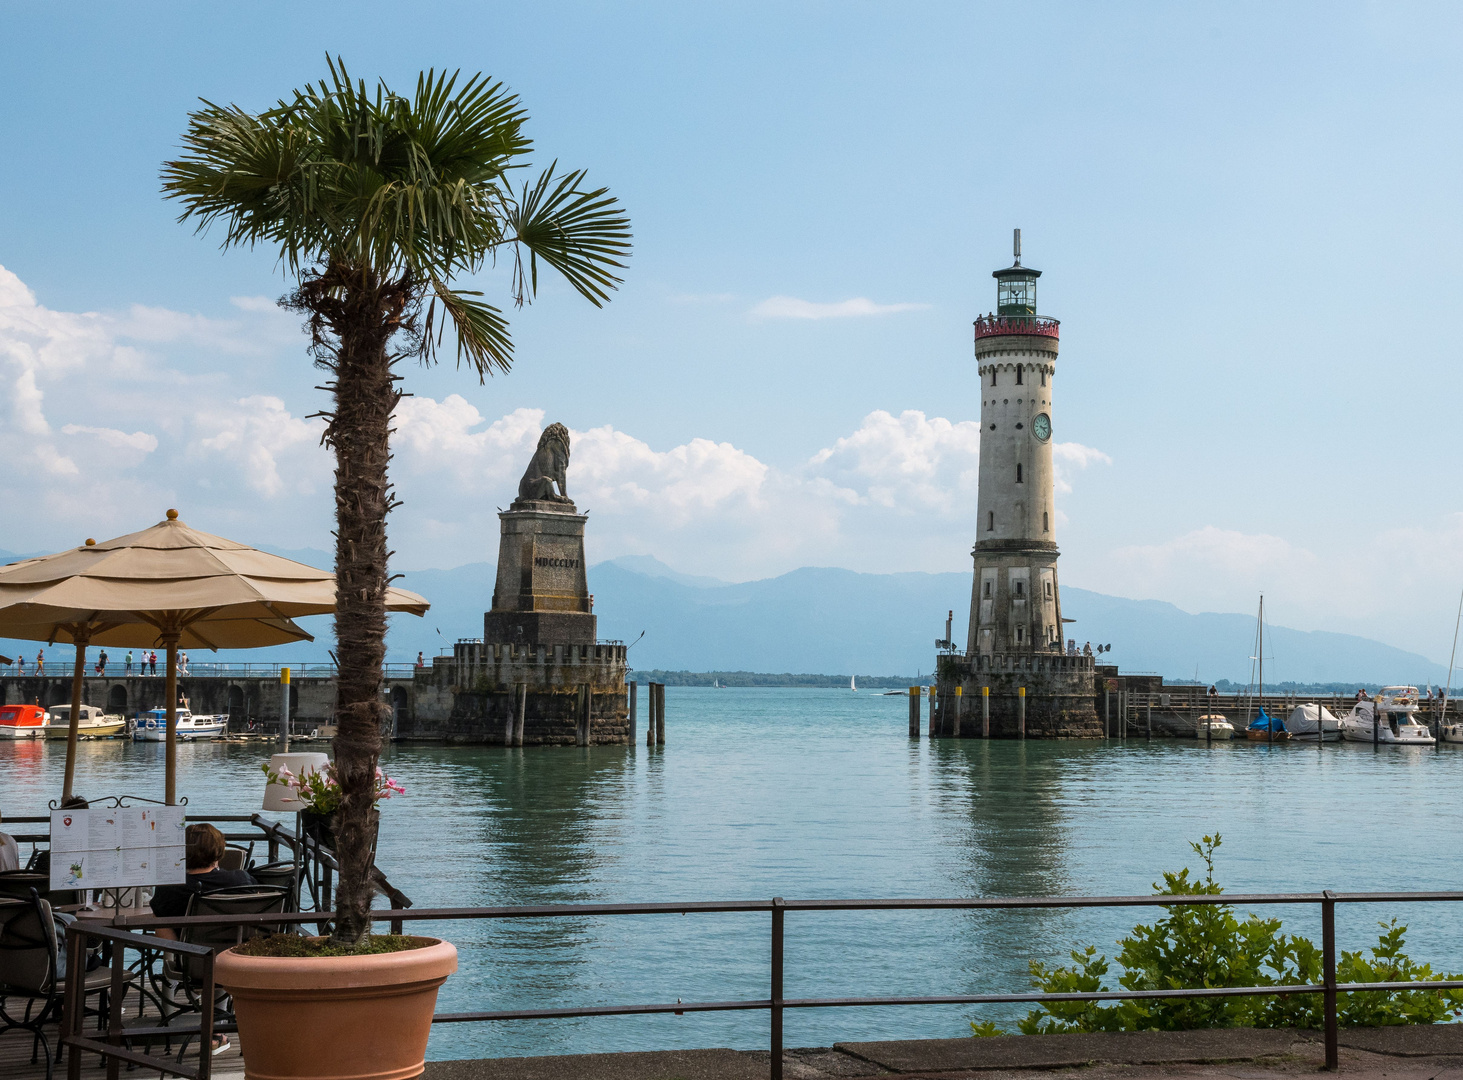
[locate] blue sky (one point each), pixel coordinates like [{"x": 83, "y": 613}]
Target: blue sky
[{"x": 1247, "y": 215}]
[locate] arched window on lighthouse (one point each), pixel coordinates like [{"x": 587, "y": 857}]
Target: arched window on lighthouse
[
  {"x": 1018, "y": 374},
  {"x": 988, "y": 588},
  {"x": 993, "y": 376},
  {"x": 1018, "y": 472},
  {"x": 1044, "y": 526},
  {"x": 990, "y": 521},
  {"x": 1043, "y": 376}
]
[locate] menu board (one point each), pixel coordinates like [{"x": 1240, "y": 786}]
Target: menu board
[{"x": 118, "y": 848}]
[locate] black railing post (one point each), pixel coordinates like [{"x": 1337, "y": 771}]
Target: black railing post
[
  {"x": 115, "y": 997},
  {"x": 1328, "y": 976},
  {"x": 205, "y": 1019},
  {"x": 75, "y": 1002},
  {"x": 776, "y": 1010}
]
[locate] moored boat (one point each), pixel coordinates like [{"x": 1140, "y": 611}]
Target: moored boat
[
  {"x": 22, "y": 722},
  {"x": 92, "y": 723},
  {"x": 1311, "y": 721},
  {"x": 1213, "y": 726},
  {"x": 1391, "y": 718},
  {"x": 152, "y": 726},
  {"x": 1266, "y": 729}
]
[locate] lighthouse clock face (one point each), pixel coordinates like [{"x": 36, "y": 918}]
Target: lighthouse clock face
[{"x": 1041, "y": 427}]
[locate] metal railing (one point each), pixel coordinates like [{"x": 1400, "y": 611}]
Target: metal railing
[
  {"x": 776, "y": 1003},
  {"x": 208, "y": 669},
  {"x": 116, "y": 1048}
]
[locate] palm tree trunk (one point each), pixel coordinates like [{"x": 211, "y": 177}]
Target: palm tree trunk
[{"x": 359, "y": 431}]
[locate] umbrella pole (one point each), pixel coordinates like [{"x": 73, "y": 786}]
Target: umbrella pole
[
  {"x": 171, "y": 768},
  {"x": 81, "y": 640}
]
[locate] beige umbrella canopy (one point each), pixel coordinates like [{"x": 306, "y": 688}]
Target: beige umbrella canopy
[{"x": 165, "y": 587}]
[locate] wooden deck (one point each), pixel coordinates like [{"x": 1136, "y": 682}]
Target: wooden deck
[{"x": 16, "y": 1044}]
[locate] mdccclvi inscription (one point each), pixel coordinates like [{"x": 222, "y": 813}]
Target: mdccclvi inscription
[{"x": 546, "y": 561}]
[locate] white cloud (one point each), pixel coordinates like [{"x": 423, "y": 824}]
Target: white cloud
[
  {"x": 252, "y": 435},
  {"x": 118, "y": 440},
  {"x": 790, "y": 307}
]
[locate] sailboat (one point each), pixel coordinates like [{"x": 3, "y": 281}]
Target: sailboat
[
  {"x": 853, "y": 683},
  {"x": 1451, "y": 733},
  {"x": 1266, "y": 728}
]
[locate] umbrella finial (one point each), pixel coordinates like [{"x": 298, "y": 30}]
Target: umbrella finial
[
  {"x": 172, "y": 515},
  {"x": 90, "y": 542}
]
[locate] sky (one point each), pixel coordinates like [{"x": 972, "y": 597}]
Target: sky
[{"x": 1247, "y": 217}]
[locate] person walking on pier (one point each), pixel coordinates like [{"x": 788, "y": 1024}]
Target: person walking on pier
[
  {"x": 40, "y": 661},
  {"x": 20, "y": 665},
  {"x": 102, "y": 662},
  {"x": 152, "y": 661},
  {"x": 127, "y": 663}
]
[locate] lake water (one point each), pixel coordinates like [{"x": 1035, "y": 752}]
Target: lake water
[{"x": 820, "y": 793}]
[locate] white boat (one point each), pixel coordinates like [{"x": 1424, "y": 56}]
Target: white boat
[
  {"x": 1305, "y": 719},
  {"x": 1453, "y": 733},
  {"x": 1391, "y": 718},
  {"x": 853, "y": 683},
  {"x": 1213, "y": 726},
  {"x": 92, "y": 724},
  {"x": 152, "y": 726}
]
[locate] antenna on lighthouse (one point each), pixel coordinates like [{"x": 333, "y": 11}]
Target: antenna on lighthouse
[{"x": 1016, "y": 244}]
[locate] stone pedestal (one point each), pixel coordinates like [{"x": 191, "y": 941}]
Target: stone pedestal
[{"x": 542, "y": 592}]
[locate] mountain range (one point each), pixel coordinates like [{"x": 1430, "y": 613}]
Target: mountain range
[{"x": 830, "y": 621}]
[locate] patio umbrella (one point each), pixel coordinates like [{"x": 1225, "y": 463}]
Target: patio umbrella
[{"x": 165, "y": 587}]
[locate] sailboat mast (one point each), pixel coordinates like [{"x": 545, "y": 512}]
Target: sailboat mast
[
  {"x": 1443, "y": 716},
  {"x": 1269, "y": 723}
]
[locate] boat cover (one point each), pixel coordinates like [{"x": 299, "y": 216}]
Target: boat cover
[
  {"x": 1265, "y": 720},
  {"x": 1302, "y": 720}
]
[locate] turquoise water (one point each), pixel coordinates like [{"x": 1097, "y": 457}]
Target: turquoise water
[{"x": 820, "y": 793}]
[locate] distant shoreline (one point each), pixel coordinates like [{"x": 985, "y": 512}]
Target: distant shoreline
[{"x": 731, "y": 679}]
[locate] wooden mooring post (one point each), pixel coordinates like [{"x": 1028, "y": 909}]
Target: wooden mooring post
[
  {"x": 660, "y": 714},
  {"x": 933, "y": 703},
  {"x": 1148, "y": 733},
  {"x": 582, "y": 708},
  {"x": 1020, "y": 712},
  {"x": 952, "y": 729},
  {"x": 521, "y": 718},
  {"x": 630, "y": 708},
  {"x": 985, "y": 712},
  {"x": 914, "y": 696}
]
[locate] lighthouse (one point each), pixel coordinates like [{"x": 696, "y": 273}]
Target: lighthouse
[{"x": 1015, "y": 678}]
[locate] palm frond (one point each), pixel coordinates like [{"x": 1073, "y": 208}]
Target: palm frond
[
  {"x": 582, "y": 234},
  {"x": 482, "y": 332}
]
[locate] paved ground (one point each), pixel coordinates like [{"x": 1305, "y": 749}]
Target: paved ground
[{"x": 1410, "y": 1053}]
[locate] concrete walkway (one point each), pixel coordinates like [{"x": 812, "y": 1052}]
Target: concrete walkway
[{"x": 1395, "y": 1053}]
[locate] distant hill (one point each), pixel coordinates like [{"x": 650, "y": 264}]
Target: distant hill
[{"x": 827, "y": 621}]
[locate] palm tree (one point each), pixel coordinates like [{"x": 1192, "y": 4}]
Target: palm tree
[{"x": 377, "y": 204}]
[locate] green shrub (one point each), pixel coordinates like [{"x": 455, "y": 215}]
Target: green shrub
[{"x": 1207, "y": 945}]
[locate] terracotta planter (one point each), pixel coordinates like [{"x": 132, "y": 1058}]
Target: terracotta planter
[{"x": 342, "y": 1017}]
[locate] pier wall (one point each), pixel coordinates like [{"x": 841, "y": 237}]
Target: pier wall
[
  {"x": 1058, "y": 702},
  {"x": 472, "y": 695}
]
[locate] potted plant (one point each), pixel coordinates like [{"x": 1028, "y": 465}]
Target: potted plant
[
  {"x": 319, "y": 795},
  {"x": 378, "y": 204},
  {"x": 363, "y": 1010}
]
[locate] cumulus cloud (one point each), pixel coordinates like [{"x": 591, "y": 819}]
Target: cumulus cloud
[
  {"x": 252, "y": 435},
  {"x": 790, "y": 307},
  {"x": 117, "y": 440}
]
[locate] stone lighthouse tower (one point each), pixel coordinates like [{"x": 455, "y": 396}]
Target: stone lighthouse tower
[{"x": 1014, "y": 668}]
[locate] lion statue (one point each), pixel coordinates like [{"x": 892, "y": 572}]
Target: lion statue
[{"x": 550, "y": 461}]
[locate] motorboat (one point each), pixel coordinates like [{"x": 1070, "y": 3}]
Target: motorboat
[
  {"x": 1266, "y": 729},
  {"x": 1213, "y": 726},
  {"x": 1453, "y": 733},
  {"x": 22, "y": 722},
  {"x": 152, "y": 726},
  {"x": 1312, "y": 721},
  {"x": 1390, "y": 718},
  {"x": 91, "y": 723}
]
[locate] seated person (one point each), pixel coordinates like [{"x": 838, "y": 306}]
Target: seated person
[
  {"x": 9, "y": 852},
  {"x": 205, "y": 848}
]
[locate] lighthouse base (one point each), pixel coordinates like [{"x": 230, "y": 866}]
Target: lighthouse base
[{"x": 1060, "y": 700}]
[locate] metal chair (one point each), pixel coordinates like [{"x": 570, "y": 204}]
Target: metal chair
[
  {"x": 19, "y": 884},
  {"x": 239, "y": 900},
  {"x": 280, "y": 875},
  {"x": 30, "y": 971}
]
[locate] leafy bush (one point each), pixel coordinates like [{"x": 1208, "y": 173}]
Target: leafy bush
[{"x": 1207, "y": 945}]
